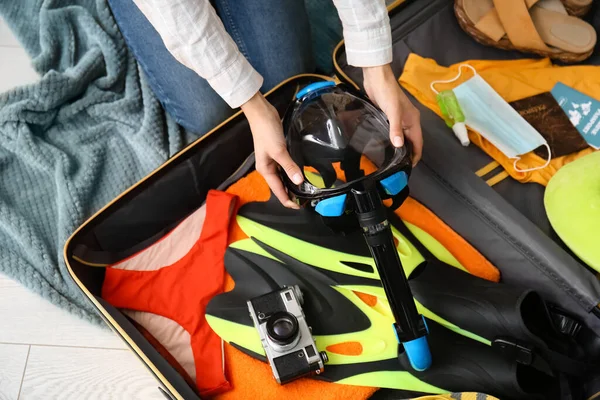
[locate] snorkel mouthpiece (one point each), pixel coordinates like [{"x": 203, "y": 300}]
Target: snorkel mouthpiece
[{"x": 334, "y": 133}]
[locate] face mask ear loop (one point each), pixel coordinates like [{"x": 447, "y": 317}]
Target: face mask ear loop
[
  {"x": 536, "y": 168},
  {"x": 453, "y": 79}
]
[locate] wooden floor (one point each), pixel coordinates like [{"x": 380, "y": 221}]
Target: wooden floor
[{"x": 45, "y": 353}]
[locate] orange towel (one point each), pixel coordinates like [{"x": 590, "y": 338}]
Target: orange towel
[{"x": 415, "y": 213}]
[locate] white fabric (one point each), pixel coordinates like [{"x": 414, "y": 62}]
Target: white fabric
[
  {"x": 171, "y": 335},
  {"x": 367, "y": 32},
  {"x": 169, "y": 249},
  {"x": 195, "y": 35}
]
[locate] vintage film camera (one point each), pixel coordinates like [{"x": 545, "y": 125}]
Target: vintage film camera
[{"x": 285, "y": 334}]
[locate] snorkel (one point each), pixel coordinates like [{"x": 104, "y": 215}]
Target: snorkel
[{"x": 331, "y": 128}]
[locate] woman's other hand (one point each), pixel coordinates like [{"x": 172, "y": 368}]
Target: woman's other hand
[
  {"x": 269, "y": 147},
  {"x": 383, "y": 89}
]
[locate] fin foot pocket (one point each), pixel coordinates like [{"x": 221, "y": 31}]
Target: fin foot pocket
[{"x": 462, "y": 364}]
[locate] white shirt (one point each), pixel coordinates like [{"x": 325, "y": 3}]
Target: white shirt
[{"x": 195, "y": 35}]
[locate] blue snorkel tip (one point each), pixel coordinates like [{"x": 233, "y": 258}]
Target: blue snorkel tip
[
  {"x": 313, "y": 87},
  {"x": 417, "y": 350},
  {"x": 418, "y": 353}
]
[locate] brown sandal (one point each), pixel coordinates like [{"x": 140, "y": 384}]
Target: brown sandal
[
  {"x": 524, "y": 25},
  {"x": 577, "y": 8}
]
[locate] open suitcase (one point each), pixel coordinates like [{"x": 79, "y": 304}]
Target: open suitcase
[
  {"x": 510, "y": 215},
  {"x": 502, "y": 222}
]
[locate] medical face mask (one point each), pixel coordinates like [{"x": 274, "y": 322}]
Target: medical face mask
[{"x": 489, "y": 114}]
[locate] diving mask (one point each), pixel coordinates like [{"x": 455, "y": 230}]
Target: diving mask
[{"x": 332, "y": 130}]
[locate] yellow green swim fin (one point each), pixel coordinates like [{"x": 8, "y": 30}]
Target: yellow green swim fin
[{"x": 475, "y": 326}]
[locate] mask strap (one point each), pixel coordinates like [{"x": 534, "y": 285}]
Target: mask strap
[
  {"x": 535, "y": 168},
  {"x": 453, "y": 79}
]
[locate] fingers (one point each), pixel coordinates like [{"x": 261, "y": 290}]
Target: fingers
[
  {"x": 268, "y": 170},
  {"x": 412, "y": 130},
  {"x": 411, "y": 123},
  {"x": 416, "y": 138},
  {"x": 269, "y": 147},
  {"x": 396, "y": 134},
  {"x": 404, "y": 118},
  {"x": 279, "y": 191},
  {"x": 265, "y": 165},
  {"x": 282, "y": 157}
]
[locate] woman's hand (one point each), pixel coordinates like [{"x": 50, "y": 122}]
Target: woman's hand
[
  {"x": 383, "y": 89},
  {"x": 269, "y": 144},
  {"x": 269, "y": 147}
]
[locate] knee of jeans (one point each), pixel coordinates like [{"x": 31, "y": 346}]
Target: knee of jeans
[
  {"x": 198, "y": 116},
  {"x": 295, "y": 63}
]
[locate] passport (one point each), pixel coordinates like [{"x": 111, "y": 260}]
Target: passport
[
  {"x": 547, "y": 117},
  {"x": 583, "y": 112}
]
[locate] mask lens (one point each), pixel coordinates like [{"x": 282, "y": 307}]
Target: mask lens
[{"x": 332, "y": 135}]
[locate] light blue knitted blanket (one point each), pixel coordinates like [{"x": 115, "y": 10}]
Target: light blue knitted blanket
[
  {"x": 88, "y": 130},
  {"x": 71, "y": 142}
]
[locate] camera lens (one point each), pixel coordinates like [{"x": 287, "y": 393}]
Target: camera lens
[{"x": 282, "y": 327}]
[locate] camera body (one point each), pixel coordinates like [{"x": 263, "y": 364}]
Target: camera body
[{"x": 285, "y": 334}]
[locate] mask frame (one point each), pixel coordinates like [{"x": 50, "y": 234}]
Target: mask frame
[{"x": 391, "y": 178}]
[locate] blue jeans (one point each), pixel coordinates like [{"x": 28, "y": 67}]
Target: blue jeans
[{"x": 274, "y": 35}]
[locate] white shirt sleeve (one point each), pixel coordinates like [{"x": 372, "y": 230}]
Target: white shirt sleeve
[
  {"x": 367, "y": 32},
  {"x": 194, "y": 34}
]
